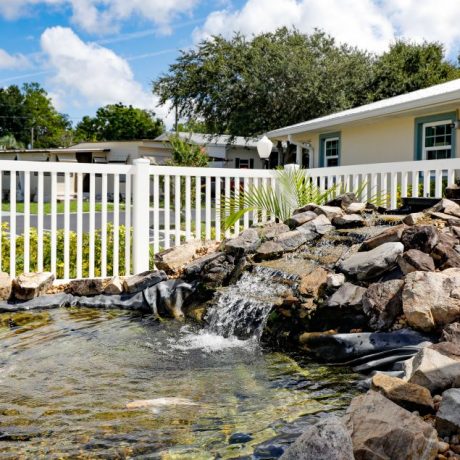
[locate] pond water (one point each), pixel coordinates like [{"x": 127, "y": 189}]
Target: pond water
[{"x": 67, "y": 375}]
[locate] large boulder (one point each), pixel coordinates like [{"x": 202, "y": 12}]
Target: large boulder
[
  {"x": 380, "y": 429},
  {"x": 327, "y": 439},
  {"x": 407, "y": 395},
  {"x": 370, "y": 264},
  {"x": 245, "y": 243},
  {"x": 433, "y": 370},
  {"x": 290, "y": 241},
  {"x": 448, "y": 415},
  {"x": 348, "y": 295},
  {"x": 314, "y": 284},
  {"x": 432, "y": 299},
  {"x": 86, "y": 287},
  {"x": 144, "y": 280},
  {"x": 317, "y": 227},
  {"x": 271, "y": 230},
  {"x": 30, "y": 285},
  {"x": 6, "y": 286},
  {"x": 269, "y": 250},
  {"x": 382, "y": 303},
  {"x": 390, "y": 235},
  {"x": 301, "y": 218},
  {"x": 172, "y": 260},
  {"x": 414, "y": 260},
  {"x": 447, "y": 207},
  {"x": 424, "y": 238},
  {"x": 348, "y": 221}
]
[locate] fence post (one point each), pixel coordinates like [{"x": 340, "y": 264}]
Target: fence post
[{"x": 141, "y": 215}]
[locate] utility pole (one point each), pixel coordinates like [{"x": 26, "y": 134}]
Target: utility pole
[
  {"x": 32, "y": 137},
  {"x": 176, "y": 123}
]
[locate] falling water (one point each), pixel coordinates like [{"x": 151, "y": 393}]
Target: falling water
[{"x": 243, "y": 308}]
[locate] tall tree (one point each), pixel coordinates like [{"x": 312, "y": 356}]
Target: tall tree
[
  {"x": 30, "y": 112},
  {"x": 247, "y": 86},
  {"x": 119, "y": 122},
  {"x": 408, "y": 67}
]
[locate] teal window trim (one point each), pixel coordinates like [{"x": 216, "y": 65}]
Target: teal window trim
[
  {"x": 322, "y": 153},
  {"x": 418, "y": 131}
]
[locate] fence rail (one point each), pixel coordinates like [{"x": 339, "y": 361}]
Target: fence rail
[{"x": 85, "y": 220}]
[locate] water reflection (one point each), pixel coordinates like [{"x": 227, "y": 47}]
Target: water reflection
[{"x": 66, "y": 377}]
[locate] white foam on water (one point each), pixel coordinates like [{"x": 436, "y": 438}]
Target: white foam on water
[{"x": 209, "y": 341}]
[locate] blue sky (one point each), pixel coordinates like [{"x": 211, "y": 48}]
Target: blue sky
[{"x": 88, "y": 53}]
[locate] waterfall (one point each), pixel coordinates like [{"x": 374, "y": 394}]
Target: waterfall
[{"x": 242, "y": 309}]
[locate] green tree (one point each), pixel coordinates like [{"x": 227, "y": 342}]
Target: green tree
[
  {"x": 9, "y": 142},
  {"x": 186, "y": 153},
  {"x": 408, "y": 67},
  {"x": 117, "y": 122},
  {"x": 246, "y": 86},
  {"x": 30, "y": 109}
]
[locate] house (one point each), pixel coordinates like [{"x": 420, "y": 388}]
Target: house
[{"x": 421, "y": 125}]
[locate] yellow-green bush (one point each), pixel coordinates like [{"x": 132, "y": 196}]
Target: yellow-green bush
[{"x": 6, "y": 242}]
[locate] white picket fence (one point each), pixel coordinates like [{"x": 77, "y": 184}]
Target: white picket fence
[{"x": 160, "y": 207}]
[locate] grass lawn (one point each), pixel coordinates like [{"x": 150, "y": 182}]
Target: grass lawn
[{"x": 60, "y": 207}]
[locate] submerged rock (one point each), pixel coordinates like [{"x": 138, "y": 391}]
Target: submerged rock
[
  {"x": 370, "y": 264},
  {"x": 30, "y": 285},
  {"x": 382, "y": 303},
  {"x": 327, "y": 439},
  {"x": 380, "y": 429},
  {"x": 432, "y": 299},
  {"x": 410, "y": 396}
]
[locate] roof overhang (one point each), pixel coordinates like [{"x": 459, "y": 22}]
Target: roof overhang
[{"x": 412, "y": 103}]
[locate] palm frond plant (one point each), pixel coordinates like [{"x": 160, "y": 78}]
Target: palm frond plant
[{"x": 294, "y": 189}]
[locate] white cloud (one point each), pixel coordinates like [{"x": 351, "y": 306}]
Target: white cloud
[
  {"x": 89, "y": 74},
  {"x": 105, "y": 16},
  {"x": 368, "y": 24},
  {"x": 12, "y": 61}
]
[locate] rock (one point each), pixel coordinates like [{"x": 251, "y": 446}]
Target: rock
[
  {"x": 407, "y": 395},
  {"x": 424, "y": 238},
  {"x": 447, "y": 207},
  {"x": 448, "y": 415},
  {"x": 414, "y": 218},
  {"x": 451, "y": 333},
  {"x": 391, "y": 235},
  {"x": 348, "y": 295},
  {"x": 380, "y": 429},
  {"x": 301, "y": 218},
  {"x": 307, "y": 207},
  {"x": 432, "y": 370},
  {"x": 348, "y": 221},
  {"x": 195, "y": 267},
  {"x": 173, "y": 259},
  {"x": 239, "y": 438},
  {"x": 446, "y": 256},
  {"x": 30, "y": 285},
  {"x": 343, "y": 201},
  {"x": 335, "y": 280},
  {"x": 246, "y": 243},
  {"x": 314, "y": 284},
  {"x": 449, "y": 349},
  {"x": 449, "y": 219},
  {"x": 319, "y": 226},
  {"x": 414, "y": 260},
  {"x": 272, "y": 230},
  {"x": 114, "y": 286},
  {"x": 327, "y": 439},
  {"x": 269, "y": 250},
  {"x": 292, "y": 240},
  {"x": 144, "y": 280},
  {"x": 432, "y": 299},
  {"x": 366, "y": 265},
  {"x": 329, "y": 211},
  {"x": 6, "y": 286},
  {"x": 86, "y": 287},
  {"x": 382, "y": 303},
  {"x": 355, "y": 208}
]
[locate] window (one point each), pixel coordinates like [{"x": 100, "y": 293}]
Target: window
[
  {"x": 437, "y": 140},
  {"x": 329, "y": 150},
  {"x": 435, "y": 136},
  {"x": 244, "y": 163}
]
